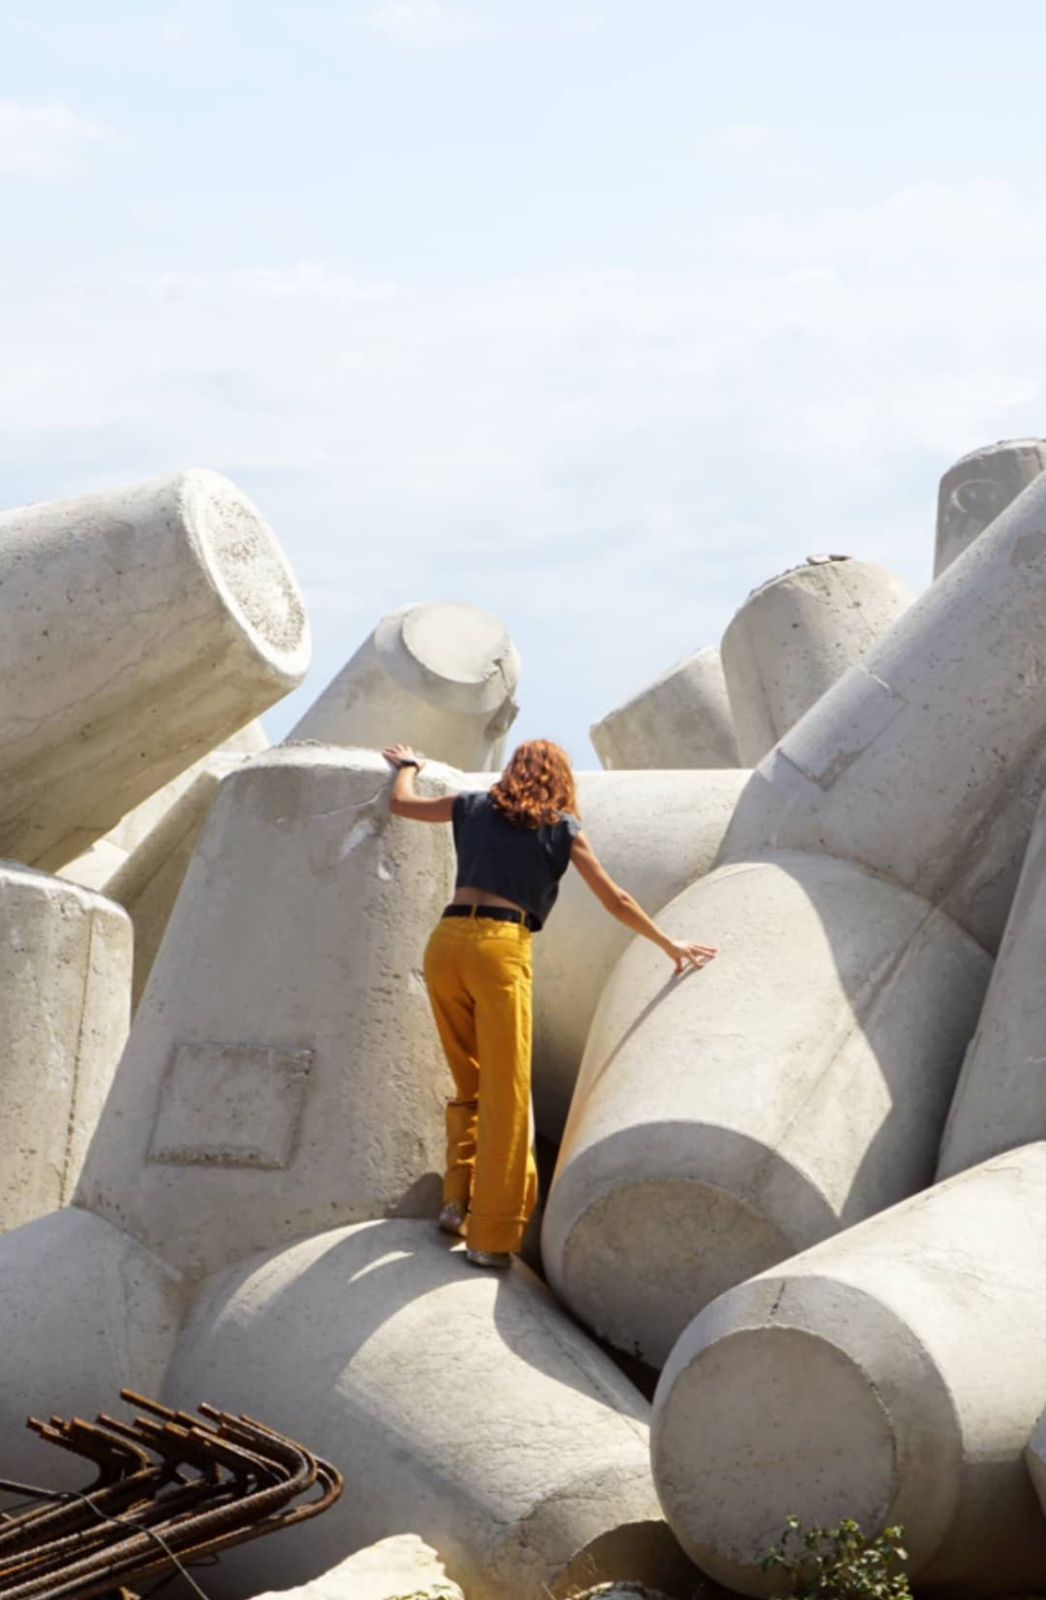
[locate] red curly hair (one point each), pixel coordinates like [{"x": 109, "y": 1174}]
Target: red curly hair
[{"x": 536, "y": 786}]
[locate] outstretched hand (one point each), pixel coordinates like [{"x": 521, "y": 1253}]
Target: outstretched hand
[
  {"x": 395, "y": 753},
  {"x": 688, "y": 956}
]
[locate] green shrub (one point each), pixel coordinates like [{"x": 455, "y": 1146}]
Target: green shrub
[{"x": 840, "y": 1563}]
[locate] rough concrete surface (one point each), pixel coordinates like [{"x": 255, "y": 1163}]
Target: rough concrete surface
[
  {"x": 149, "y": 880},
  {"x": 461, "y": 1404},
  {"x": 978, "y": 488},
  {"x": 96, "y": 868},
  {"x": 908, "y": 764},
  {"x": 439, "y": 677},
  {"x": 65, "y": 975},
  {"x": 683, "y": 719},
  {"x": 796, "y": 635},
  {"x": 655, "y": 832},
  {"x": 142, "y": 626},
  {"x": 1000, "y": 1100},
  {"x": 829, "y": 974},
  {"x": 893, "y": 1374},
  {"x": 728, "y": 1118},
  {"x": 315, "y": 906},
  {"x": 402, "y": 1567},
  {"x": 84, "y": 1311}
]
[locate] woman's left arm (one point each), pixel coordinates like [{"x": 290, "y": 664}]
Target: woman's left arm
[{"x": 405, "y": 802}]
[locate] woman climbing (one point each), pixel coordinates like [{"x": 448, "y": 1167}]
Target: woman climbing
[{"x": 514, "y": 842}]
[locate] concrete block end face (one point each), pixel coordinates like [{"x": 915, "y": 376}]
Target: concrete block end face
[
  {"x": 726, "y": 1120},
  {"x": 441, "y": 677},
  {"x": 685, "y": 1242},
  {"x": 978, "y": 488},
  {"x": 248, "y": 570},
  {"x": 455, "y": 655},
  {"x": 643, "y": 1558},
  {"x": 801, "y": 1398}
]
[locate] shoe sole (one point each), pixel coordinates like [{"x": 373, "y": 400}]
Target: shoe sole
[{"x": 482, "y": 1258}]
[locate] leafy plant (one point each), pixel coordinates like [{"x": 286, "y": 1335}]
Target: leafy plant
[{"x": 840, "y": 1563}]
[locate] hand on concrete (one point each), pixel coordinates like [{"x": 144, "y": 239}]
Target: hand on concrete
[
  {"x": 690, "y": 955},
  {"x": 396, "y": 753}
]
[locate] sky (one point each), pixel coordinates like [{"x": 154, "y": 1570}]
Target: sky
[{"x": 594, "y": 315}]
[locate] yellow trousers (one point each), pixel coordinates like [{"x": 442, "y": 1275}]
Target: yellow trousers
[{"x": 478, "y": 974}]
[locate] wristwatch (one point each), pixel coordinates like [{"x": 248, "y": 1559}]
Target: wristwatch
[{"x": 408, "y": 761}]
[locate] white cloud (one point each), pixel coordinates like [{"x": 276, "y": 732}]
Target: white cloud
[
  {"x": 620, "y": 452},
  {"x": 45, "y": 137}
]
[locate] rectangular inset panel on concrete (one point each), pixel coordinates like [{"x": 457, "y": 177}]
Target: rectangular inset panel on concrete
[{"x": 235, "y": 1105}]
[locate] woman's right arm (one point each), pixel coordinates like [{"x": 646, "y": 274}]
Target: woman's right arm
[{"x": 621, "y": 905}]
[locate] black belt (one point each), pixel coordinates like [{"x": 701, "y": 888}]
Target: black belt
[{"x": 499, "y": 913}]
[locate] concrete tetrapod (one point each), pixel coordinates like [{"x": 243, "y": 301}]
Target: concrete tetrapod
[
  {"x": 724, "y": 1120},
  {"x": 999, "y": 1101},
  {"x": 440, "y": 677},
  {"x": 142, "y": 626},
  {"x": 978, "y": 488},
  {"x": 84, "y": 1311},
  {"x": 683, "y": 719},
  {"x": 655, "y": 832},
  {"x": 65, "y": 976},
  {"x": 925, "y": 761},
  {"x": 800, "y": 1082},
  {"x": 797, "y": 634},
  {"x": 893, "y": 1374},
  {"x": 307, "y": 1085},
  {"x": 460, "y": 1404}
]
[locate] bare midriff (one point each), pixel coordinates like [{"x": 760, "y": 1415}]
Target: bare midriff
[{"x": 481, "y": 897}]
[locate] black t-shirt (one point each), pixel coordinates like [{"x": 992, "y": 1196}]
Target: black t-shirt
[{"x": 519, "y": 864}]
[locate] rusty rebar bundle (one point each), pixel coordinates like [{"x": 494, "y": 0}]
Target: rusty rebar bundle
[{"x": 171, "y": 1489}]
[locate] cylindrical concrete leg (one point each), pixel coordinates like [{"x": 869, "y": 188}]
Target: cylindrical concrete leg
[
  {"x": 484, "y": 1420},
  {"x": 65, "y": 975},
  {"x": 978, "y": 489},
  {"x": 726, "y": 1119},
  {"x": 1000, "y": 1100},
  {"x": 132, "y": 829},
  {"x": 796, "y": 635},
  {"x": 141, "y": 863},
  {"x": 908, "y": 764},
  {"x": 681, "y": 720},
  {"x": 283, "y": 1069},
  {"x": 142, "y": 626},
  {"x": 893, "y": 1374},
  {"x": 440, "y": 677},
  {"x": 84, "y": 1312},
  {"x": 655, "y": 832}
]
